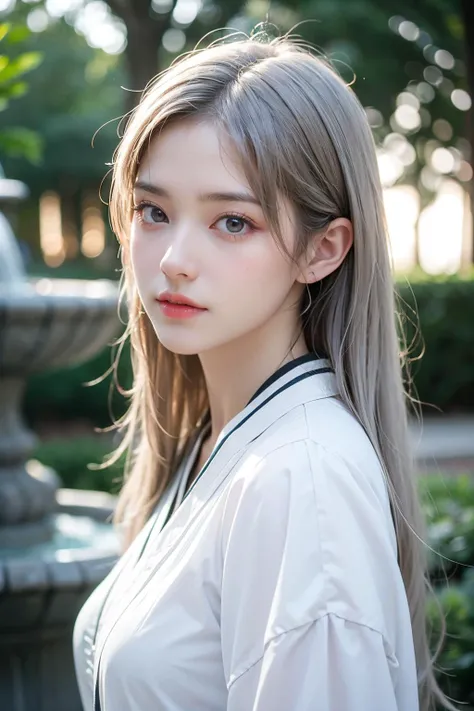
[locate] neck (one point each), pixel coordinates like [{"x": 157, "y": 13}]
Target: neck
[{"x": 234, "y": 372}]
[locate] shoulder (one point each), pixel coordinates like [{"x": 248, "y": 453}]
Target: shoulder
[
  {"x": 309, "y": 505},
  {"x": 318, "y": 448}
]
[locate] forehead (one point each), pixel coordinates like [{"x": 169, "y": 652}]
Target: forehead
[{"x": 192, "y": 152}]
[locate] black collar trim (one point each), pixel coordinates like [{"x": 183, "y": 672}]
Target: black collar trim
[{"x": 307, "y": 358}]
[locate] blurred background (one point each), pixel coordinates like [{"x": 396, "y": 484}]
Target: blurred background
[{"x": 69, "y": 69}]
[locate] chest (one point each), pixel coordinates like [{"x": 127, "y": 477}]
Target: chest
[{"x": 167, "y": 642}]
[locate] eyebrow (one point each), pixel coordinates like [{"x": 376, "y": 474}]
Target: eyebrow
[{"x": 203, "y": 197}]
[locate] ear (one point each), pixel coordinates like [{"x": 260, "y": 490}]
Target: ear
[{"x": 327, "y": 251}]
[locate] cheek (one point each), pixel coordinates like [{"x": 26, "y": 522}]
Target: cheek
[
  {"x": 143, "y": 255},
  {"x": 264, "y": 271},
  {"x": 135, "y": 246}
]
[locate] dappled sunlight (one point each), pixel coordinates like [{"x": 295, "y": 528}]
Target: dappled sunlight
[
  {"x": 401, "y": 207},
  {"x": 56, "y": 237},
  {"x": 93, "y": 228},
  {"x": 51, "y": 233},
  {"x": 441, "y": 231},
  {"x": 444, "y": 229}
]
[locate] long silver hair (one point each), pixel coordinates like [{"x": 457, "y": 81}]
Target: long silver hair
[{"x": 300, "y": 132}]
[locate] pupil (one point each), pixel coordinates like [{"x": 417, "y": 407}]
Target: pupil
[
  {"x": 156, "y": 214},
  {"x": 234, "y": 223}
]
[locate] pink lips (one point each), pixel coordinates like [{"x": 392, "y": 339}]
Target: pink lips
[{"x": 178, "y": 305}]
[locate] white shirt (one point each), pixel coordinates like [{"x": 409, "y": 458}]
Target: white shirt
[{"x": 274, "y": 586}]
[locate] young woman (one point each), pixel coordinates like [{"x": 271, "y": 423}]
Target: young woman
[{"x": 273, "y": 559}]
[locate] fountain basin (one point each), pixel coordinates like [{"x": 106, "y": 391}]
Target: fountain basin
[
  {"x": 50, "y": 323},
  {"x": 55, "y": 545},
  {"x": 42, "y": 589}
]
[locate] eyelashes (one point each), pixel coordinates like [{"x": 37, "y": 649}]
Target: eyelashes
[
  {"x": 141, "y": 206},
  {"x": 249, "y": 224}
]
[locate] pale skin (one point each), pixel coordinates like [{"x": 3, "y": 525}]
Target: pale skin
[{"x": 189, "y": 245}]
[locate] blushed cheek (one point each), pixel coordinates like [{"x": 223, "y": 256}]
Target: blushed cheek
[
  {"x": 141, "y": 262},
  {"x": 262, "y": 273}
]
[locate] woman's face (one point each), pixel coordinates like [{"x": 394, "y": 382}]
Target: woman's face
[{"x": 198, "y": 232}]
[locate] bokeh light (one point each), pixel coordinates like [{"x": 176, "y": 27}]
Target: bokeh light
[
  {"x": 186, "y": 11},
  {"x": 407, "y": 118},
  {"x": 407, "y": 97},
  {"x": 37, "y": 20},
  {"x": 101, "y": 29},
  {"x": 51, "y": 233},
  {"x": 433, "y": 75},
  {"x": 442, "y": 129},
  {"x": 444, "y": 59},
  {"x": 442, "y": 160},
  {"x": 464, "y": 172},
  {"x": 441, "y": 230},
  {"x": 161, "y": 6},
  {"x": 425, "y": 92},
  {"x": 402, "y": 205},
  {"x": 374, "y": 117},
  {"x": 408, "y": 30},
  {"x": 174, "y": 40},
  {"x": 461, "y": 99}
]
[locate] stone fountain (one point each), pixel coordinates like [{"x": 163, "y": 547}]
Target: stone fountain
[{"x": 56, "y": 545}]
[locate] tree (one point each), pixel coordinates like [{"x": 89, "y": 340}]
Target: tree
[
  {"x": 146, "y": 28},
  {"x": 364, "y": 38},
  {"x": 358, "y": 35},
  {"x": 76, "y": 91},
  {"x": 16, "y": 140}
]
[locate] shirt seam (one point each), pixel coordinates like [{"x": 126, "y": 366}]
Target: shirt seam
[{"x": 328, "y": 613}]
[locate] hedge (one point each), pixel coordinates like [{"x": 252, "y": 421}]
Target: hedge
[
  {"x": 443, "y": 377},
  {"x": 449, "y": 510}
]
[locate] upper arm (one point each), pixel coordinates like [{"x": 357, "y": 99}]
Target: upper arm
[
  {"x": 304, "y": 536},
  {"x": 327, "y": 665}
]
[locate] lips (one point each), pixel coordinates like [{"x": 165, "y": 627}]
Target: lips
[
  {"x": 179, "y": 300},
  {"x": 173, "y": 310}
]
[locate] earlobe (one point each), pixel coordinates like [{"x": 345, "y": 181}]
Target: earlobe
[{"x": 328, "y": 251}]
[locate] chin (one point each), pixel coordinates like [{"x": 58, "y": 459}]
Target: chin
[
  {"x": 181, "y": 350},
  {"x": 188, "y": 346},
  {"x": 179, "y": 346}
]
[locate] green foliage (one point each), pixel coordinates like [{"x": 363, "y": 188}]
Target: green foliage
[
  {"x": 76, "y": 461},
  {"x": 354, "y": 34},
  {"x": 64, "y": 395},
  {"x": 76, "y": 91},
  {"x": 444, "y": 376},
  {"x": 20, "y": 142},
  {"x": 449, "y": 509},
  {"x": 16, "y": 141},
  {"x": 456, "y": 662}
]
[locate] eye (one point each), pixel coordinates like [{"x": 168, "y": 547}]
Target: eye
[
  {"x": 236, "y": 225},
  {"x": 150, "y": 214}
]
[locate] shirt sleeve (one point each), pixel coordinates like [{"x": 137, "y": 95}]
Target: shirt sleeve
[
  {"x": 312, "y": 597},
  {"x": 327, "y": 665}
]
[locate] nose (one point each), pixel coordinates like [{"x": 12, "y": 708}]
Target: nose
[{"x": 179, "y": 259}]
